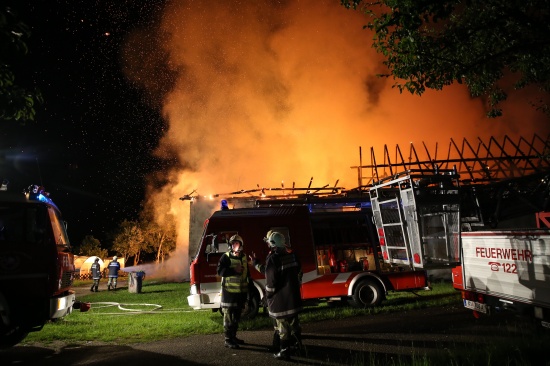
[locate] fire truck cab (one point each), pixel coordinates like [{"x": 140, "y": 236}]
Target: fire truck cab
[
  {"x": 338, "y": 249},
  {"x": 36, "y": 266}
]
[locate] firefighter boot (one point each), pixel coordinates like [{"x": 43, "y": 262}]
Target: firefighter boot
[
  {"x": 237, "y": 340},
  {"x": 96, "y": 290},
  {"x": 276, "y": 343},
  {"x": 230, "y": 339},
  {"x": 92, "y": 288},
  {"x": 109, "y": 287},
  {"x": 297, "y": 345},
  {"x": 230, "y": 343},
  {"x": 284, "y": 353}
]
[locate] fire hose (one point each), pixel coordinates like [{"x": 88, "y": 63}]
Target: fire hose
[{"x": 128, "y": 309}]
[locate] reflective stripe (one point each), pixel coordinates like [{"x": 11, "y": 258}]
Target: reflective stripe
[
  {"x": 229, "y": 304},
  {"x": 285, "y": 313},
  {"x": 238, "y": 283},
  {"x": 288, "y": 261}
]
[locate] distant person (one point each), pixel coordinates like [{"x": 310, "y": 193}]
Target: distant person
[
  {"x": 224, "y": 205},
  {"x": 283, "y": 279},
  {"x": 233, "y": 269},
  {"x": 113, "y": 268},
  {"x": 96, "y": 274}
]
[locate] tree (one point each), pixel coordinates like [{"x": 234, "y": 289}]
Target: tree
[
  {"x": 91, "y": 246},
  {"x": 16, "y": 102},
  {"x": 159, "y": 239},
  {"x": 129, "y": 242},
  {"x": 483, "y": 43}
]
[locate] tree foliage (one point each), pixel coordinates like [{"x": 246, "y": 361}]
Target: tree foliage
[
  {"x": 161, "y": 241},
  {"x": 129, "y": 242},
  {"x": 433, "y": 43},
  {"x": 134, "y": 238},
  {"x": 91, "y": 246},
  {"x": 17, "y": 102}
]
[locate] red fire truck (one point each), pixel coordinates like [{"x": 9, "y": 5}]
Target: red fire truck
[
  {"x": 36, "y": 267},
  {"x": 334, "y": 238}
]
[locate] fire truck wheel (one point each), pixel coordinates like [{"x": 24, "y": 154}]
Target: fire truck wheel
[
  {"x": 367, "y": 293},
  {"x": 11, "y": 337}
]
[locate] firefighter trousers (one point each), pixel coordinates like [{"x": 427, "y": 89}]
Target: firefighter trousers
[{"x": 231, "y": 318}]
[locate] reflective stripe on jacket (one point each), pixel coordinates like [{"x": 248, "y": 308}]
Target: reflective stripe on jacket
[
  {"x": 283, "y": 273},
  {"x": 236, "y": 283},
  {"x": 114, "y": 266}
]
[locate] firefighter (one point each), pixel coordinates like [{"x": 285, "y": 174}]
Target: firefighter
[
  {"x": 96, "y": 274},
  {"x": 283, "y": 274},
  {"x": 113, "y": 268},
  {"x": 276, "y": 342},
  {"x": 233, "y": 268}
]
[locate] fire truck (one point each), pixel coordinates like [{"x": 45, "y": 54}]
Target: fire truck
[
  {"x": 333, "y": 236},
  {"x": 486, "y": 219},
  {"x": 480, "y": 213},
  {"x": 36, "y": 265}
]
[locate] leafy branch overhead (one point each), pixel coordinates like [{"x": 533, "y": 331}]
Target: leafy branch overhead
[
  {"x": 17, "y": 102},
  {"x": 485, "y": 44}
]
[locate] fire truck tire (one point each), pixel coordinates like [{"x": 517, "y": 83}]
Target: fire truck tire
[
  {"x": 11, "y": 337},
  {"x": 367, "y": 293}
]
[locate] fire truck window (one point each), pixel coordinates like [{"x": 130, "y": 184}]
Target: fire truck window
[
  {"x": 219, "y": 243},
  {"x": 36, "y": 231},
  {"x": 58, "y": 227},
  {"x": 12, "y": 226}
]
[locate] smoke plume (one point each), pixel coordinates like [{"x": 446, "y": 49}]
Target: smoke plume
[{"x": 270, "y": 91}]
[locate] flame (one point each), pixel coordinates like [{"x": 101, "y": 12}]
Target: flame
[{"x": 266, "y": 91}]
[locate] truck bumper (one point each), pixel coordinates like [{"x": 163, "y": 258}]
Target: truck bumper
[
  {"x": 62, "y": 305},
  {"x": 204, "y": 301}
]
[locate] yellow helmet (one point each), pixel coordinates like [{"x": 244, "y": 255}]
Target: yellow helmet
[{"x": 238, "y": 238}]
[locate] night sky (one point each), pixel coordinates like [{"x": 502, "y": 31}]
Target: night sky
[{"x": 91, "y": 143}]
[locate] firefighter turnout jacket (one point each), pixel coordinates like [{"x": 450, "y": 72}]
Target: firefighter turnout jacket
[
  {"x": 96, "y": 271},
  {"x": 283, "y": 275},
  {"x": 234, "y": 285},
  {"x": 113, "y": 267}
]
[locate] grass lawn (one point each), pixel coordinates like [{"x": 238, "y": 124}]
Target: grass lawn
[{"x": 161, "y": 311}]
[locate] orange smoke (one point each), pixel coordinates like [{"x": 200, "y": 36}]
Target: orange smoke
[{"x": 268, "y": 92}]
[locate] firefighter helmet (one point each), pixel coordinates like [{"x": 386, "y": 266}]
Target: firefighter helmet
[
  {"x": 115, "y": 258},
  {"x": 277, "y": 240},
  {"x": 237, "y": 238}
]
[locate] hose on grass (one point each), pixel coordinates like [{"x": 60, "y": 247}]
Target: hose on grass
[{"x": 126, "y": 310}]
